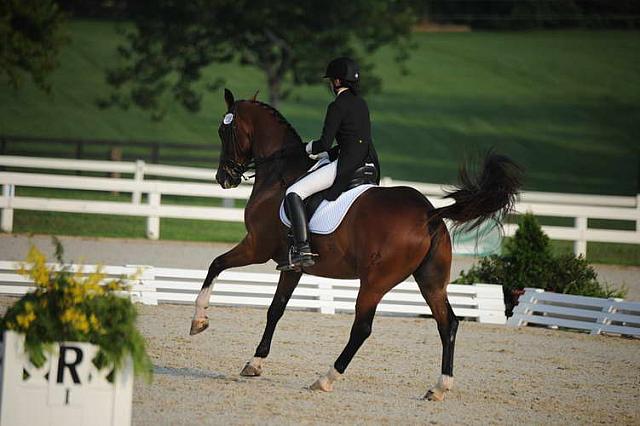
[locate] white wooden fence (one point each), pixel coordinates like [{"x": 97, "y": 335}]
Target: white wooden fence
[
  {"x": 596, "y": 315},
  {"x": 576, "y": 206},
  {"x": 483, "y": 302}
]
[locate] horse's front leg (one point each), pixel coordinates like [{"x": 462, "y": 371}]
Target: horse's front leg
[
  {"x": 287, "y": 283},
  {"x": 241, "y": 255}
]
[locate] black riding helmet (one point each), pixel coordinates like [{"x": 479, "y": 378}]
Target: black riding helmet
[{"x": 343, "y": 68}]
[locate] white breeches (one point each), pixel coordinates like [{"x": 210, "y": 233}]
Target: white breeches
[{"x": 320, "y": 178}]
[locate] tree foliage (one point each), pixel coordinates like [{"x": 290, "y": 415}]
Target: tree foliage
[
  {"x": 525, "y": 14},
  {"x": 289, "y": 41},
  {"x": 31, "y": 36}
]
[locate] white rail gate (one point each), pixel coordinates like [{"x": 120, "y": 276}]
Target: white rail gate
[
  {"x": 596, "y": 315},
  {"x": 483, "y": 302}
]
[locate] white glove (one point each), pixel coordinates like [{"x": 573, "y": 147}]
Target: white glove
[{"x": 318, "y": 156}]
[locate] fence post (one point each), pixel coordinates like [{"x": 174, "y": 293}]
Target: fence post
[
  {"x": 138, "y": 177},
  {"x": 521, "y": 311},
  {"x": 155, "y": 153},
  {"x": 638, "y": 214},
  {"x": 79, "y": 154},
  {"x": 490, "y": 303},
  {"x": 8, "y": 192},
  {"x": 153, "y": 221},
  {"x": 146, "y": 280},
  {"x": 580, "y": 245},
  {"x": 326, "y": 297},
  {"x": 386, "y": 181}
]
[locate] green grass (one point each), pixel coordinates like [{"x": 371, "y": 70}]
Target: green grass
[
  {"x": 116, "y": 226},
  {"x": 617, "y": 254},
  {"x": 92, "y": 225},
  {"x": 71, "y": 194},
  {"x": 566, "y": 104}
]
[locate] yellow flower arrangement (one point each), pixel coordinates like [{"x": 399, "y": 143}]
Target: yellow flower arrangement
[
  {"x": 76, "y": 306},
  {"x": 76, "y": 319},
  {"x": 27, "y": 317},
  {"x": 38, "y": 270}
]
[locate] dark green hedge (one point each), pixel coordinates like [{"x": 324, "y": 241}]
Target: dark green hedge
[{"x": 529, "y": 262}]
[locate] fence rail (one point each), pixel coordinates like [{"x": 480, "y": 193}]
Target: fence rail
[
  {"x": 483, "y": 302},
  {"x": 580, "y": 207},
  {"x": 596, "y": 315}
]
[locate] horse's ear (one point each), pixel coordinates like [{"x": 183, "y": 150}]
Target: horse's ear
[
  {"x": 255, "y": 96},
  {"x": 228, "y": 97}
]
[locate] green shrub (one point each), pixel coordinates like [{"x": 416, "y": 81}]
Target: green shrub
[
  {"x": 529, "y": 262},
  {"x": 574, "y": 275}
]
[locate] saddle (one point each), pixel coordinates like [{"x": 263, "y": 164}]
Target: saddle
[{"x": 365, "y": 175}]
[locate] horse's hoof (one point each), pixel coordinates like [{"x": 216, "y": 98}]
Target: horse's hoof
[
  {"x": 322, "y": 384},
  {"x": 250, "y": 370},
  {"x": 434, "y": 395},
  {"x": 325, "y": 383},
  {"x": 198, "y": 326}
]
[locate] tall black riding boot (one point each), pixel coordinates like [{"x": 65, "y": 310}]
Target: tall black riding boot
[{"x": 301, "y": 255}]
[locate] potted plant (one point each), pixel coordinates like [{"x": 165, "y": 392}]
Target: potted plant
[{"x": 70, "y": 348}]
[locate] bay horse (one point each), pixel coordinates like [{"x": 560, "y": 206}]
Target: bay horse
[{"x": 387, "y": 235}]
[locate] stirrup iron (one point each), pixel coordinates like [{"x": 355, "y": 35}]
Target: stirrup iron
[
  {"x": 300, "y": 263},
  {"x": 288, "y": 266}
]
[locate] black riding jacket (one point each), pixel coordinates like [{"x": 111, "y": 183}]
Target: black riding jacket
[{"x": 347, "y": 121}]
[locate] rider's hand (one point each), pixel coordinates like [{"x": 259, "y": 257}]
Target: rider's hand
[
  {"x": 309, "y": 147},
  {"x": 317, "y": 156}
]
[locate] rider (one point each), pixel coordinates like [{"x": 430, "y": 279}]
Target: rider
[{"x": 347, "y": 120}]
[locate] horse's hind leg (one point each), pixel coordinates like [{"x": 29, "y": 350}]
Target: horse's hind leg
[
  {"x": 432, "y": 278},
  {"x": 287, "y": 283},
  {"x": 366, "y": 304}
]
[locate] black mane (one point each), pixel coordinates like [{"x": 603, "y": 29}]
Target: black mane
[{"x": 278, "y": 117}]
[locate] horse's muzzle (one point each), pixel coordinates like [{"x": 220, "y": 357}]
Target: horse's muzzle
[{"x": 227, "y": 180}]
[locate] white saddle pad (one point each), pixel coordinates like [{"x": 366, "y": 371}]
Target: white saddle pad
[{"x": 329, "y": 214}]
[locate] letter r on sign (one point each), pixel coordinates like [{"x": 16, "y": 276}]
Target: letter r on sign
[{"x": 64, "y": 363}]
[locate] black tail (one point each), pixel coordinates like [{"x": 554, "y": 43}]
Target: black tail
[{"x": 489, "y": 195}]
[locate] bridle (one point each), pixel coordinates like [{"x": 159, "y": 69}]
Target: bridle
[{"x": 228, "y": 132}]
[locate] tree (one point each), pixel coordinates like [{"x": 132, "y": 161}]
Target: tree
[
  {"x": 524, "y": 14},
  {"x": 290, "y": 41},
  {"x": 31, "y": 36}
]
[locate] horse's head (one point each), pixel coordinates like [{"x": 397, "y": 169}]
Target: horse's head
[
  {"x": 236, "y": 153},
  {"x": 253, "y": 134}
]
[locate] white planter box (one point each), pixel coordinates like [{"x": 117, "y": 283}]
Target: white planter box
[{"x": 68, "y": 389}]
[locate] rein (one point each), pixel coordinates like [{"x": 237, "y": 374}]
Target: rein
[{"x": 253, "y": 164}]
